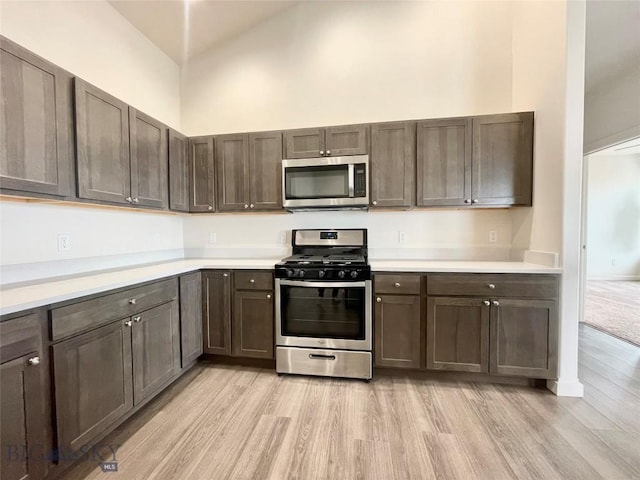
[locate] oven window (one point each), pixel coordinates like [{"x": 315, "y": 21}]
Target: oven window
[
  {"x": 330, "y": 181},
  {"x": 323, "y": 312}
]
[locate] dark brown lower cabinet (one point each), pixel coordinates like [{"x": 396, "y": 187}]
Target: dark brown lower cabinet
[
  {"x": 190, "y": 317},
  {"x": 397, "y": 331},
  {"x": 155, "y": 349},
  {"x": 524, "y": 338},
  {"x": 216, "y": 311},
  {"x": 253, "y": 324},
  {"x": 25, "y": 416},
  {"x": 93, "y": 383},
  {"x": 458, "y": 334}
]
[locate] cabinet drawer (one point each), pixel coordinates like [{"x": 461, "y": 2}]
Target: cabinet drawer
[
  {"x": 494, "y": 285},
  {"x": 253, "y": 280},
  {"x": 397, "y": 284},
  {"x": 73, "y": 319}
]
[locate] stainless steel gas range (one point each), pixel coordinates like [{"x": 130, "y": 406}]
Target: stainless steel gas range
[{"x": 323, "y": 305}]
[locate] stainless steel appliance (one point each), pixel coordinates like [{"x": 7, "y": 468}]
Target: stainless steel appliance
[
  {"x": 326, "y": 182},
  {"x": 323, "y": 305}
]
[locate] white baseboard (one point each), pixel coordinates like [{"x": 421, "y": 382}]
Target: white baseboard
[
  {"x": 566, "y": 388},
  {"x": 632, "y": 278}
]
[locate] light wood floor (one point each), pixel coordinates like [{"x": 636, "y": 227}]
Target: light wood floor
[
  {"x": 614, "y": 307},
  {"x": 224, "y": 422}
]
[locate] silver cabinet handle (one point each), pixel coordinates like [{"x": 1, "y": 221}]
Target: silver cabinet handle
[
  {"x": 34, "y": 361},
  {"x": 137, "y": 319},
  {"x": 475, "y": 200},
  {"x": 132, "y": 301},
  {"x": 246, "y": 206},
  {"x": 127, "y": 323},
  {"x": 210, "y": 207},
  {"x": 487, "y": 302},
  {"x": 252, "y": 281},
  {"x": 268, "y": 296},
  {"x": 467, "y": 200},
  {"x": 496, "y": 303},
  {"x": 397, "y": 285},
  {"x": 321, "y": 152},
  {"x": 135, "y": 200},
  {"x": 491, "y": 286},
  {"x": 379, "y": 300},
  {"x": 129, "y": 199},
  {"x": 225, "y": 274},
  {"x": 374, "y": 203},
  {"x": 328, "y": 152},
  {"x": 251, "y": 206}
]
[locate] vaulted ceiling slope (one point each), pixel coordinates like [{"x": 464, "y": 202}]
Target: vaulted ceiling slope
[{"x": 185, "y": 28}]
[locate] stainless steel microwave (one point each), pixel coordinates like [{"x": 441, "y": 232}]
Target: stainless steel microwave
[{"x": 326, "y": 183}]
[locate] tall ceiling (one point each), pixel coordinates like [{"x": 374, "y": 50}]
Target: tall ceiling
[{"x": 185, "y": 28}]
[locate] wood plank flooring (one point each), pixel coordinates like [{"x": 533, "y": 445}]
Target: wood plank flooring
[
  {"x": 223, "y": 422},
  {"x": 614, "y": 307}
]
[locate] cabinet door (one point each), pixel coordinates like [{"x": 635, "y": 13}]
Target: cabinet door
[
  {"x": 443, "y": 156},
  {"x": 304, "y": 143},
  {"x": 503, "y": 159},
  {"x": 397, "y": 331},
  {"x": 232, "y": 171},
  {"x": 36, "y": 107},
  {"x": 253, "y": 324},
  {"x": 457, "y": 334},
  {"x": 190, "y": 317},
  {"x": 201, "y": 175},
  {"x": 524, "y": 338},
  {"x": 347, "y": 140},
  {"x": 93, "y": 383},
  {"x": 155, "y": 350},
  {"x": 265, "y": 167},
  {"x": 102, "y": 144},
  {"x": 216, "y": 312},
  {"x": 393, "y": 161},
  {"x": 149, "y": 160},
  {"x": 178, "y": 172}
]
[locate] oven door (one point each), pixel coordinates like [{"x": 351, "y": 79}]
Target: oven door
[{"x": 323, "y": 314}]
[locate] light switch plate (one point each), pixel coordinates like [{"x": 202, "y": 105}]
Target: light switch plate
[{"x": 64, "y": 242}]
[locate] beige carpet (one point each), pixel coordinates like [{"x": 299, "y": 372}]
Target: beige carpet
[{"x": 614, "y": 307}]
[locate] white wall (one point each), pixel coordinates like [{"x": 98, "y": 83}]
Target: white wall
[
  {"x": 91, "y": 40},
  {"x": 327, "y": 63},
  {"x": 613, "y": 217}
]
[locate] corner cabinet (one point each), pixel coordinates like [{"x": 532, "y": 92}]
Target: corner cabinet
[
  {"x": 249, "y": 171},
  {"x": 475, "y": 161},
  {"x": 36, "y": 105},
  {"x": 326, "y": 141},
  {"x": 190, "y": 318},
  {"x": 201, "y": 175},
  {"x": 216, "y": 311},
  {"x": 178, "y": 172}
]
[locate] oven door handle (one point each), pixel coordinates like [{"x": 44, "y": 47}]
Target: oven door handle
[{"x": 303, "y": 283}]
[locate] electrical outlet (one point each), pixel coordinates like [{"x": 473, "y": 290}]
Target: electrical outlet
[
  {"x": 402, "y": 237},
  {"x": 213, "y": 238},
  {"x": 614, "y": 262},
  {"x": 64, "y": 242},
  {"x": 493, "y": 236},
  {"x": 283, "y": 237}
]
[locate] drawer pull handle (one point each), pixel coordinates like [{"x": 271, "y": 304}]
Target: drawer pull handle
[
  {"x": 34, "y": 361},
  {"x": 127, "y": 323},
  {"x": 132, "y": 301},
  {"x": 496, "y": 303},
  {"x": 137, "y": 319},
  {"x": 397, "y": 285},
  {"x": 492, "y": 286},
  {"x": 317, "y": 356},
  {"x": 379, "y": 300},
  {"x": 225, "y": 275},
  {"x": 487, "y": 302},
  {"x": 268, "y": 296},
  {"x": 252, "y": 281}
]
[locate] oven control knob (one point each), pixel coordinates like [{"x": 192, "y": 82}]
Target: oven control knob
[
  {"x": 354, "y": 274},
  {"x": 341, "y": 274},
  {"x": 290, "y": 273},
  {"x": 322, "y": 273},
  {"x": 301, "y": 273}
]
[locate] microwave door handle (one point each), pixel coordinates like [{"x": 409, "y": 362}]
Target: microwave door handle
[{"x": 351, "y": 181}]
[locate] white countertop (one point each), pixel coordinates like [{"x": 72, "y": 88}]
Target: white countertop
[{"x": 23, "y": 297}]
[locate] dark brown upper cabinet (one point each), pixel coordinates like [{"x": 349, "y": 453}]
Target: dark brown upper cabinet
[
  {"x": 201, "y": 174},
  {"x": 476, "y": 161},
  {"x": 36, "y": 107},
  {"x": 327, "y": 141},
  {"x": 393, "y": 164},
  {"x": 249, "y": 171},
  {"x": 444, "y": 162},
  {"x": 178, "y": 171},
  {"x": 502, "y": 159},
  {"x": 122, "y": 153},
  {"x": 102, "y": 142},
  {"x": 149, "y": 160}
]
